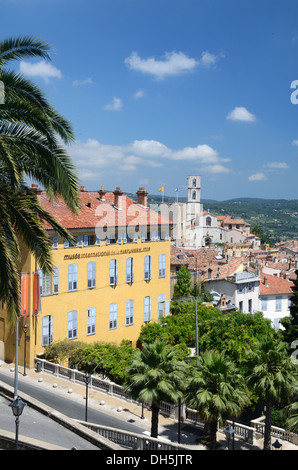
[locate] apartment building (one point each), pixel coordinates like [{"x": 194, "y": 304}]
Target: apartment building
[{"x": 114, "y": 277}]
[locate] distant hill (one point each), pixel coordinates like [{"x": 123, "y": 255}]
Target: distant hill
[{"x": 277, "y": 218}]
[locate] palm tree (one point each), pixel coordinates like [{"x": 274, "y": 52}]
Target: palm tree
[
  {"x": 216, "y": 390},
  {"x": 155, "y": 375},
  {"x": 272, "y": 377},
  {"x": 31, "y": 132}
]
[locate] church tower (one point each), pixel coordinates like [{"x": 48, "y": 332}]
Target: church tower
[{"x": 194, "y": 189}]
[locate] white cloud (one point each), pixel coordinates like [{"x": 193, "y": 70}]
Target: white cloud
[
  {"x": 173, "y": 63},
  {"x": 116, "y": 105},
  {"x": 258, "y": 177},
  {"x": 277, "y": 165},
  {"x": 140, "y": 94},
  {"x": 40, "y": 69},
  {"x": 86, "y": 81},
  {"x": 295, "y": 142},
  {"x": 94, "y": 155},
  {"x": 208, "y": 59},
  {"x": 241, "y": 114}
]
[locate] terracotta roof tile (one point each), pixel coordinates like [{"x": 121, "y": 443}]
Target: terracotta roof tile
[
  {"x": 274, "y": 285},
  {"x": 98, "y": 213}
]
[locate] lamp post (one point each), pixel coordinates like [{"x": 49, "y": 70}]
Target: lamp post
[
  {"x": 17, "y": 408},
  {"x": 25, "y": 328},
  {"x": 229, "y": 432},
  {"x": 87, "y": 378}
]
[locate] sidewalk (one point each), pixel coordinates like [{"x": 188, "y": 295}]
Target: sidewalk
[{"x": 130, "y": 412}]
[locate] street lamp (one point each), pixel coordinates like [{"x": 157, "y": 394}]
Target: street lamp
[
  {"x": 25, "y": 328},
  {"x": 87, "y": 378},
  {"x": 17, "y": 408},
  {"x": 229, "y": 432}
]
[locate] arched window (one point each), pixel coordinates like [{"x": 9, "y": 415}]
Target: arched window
[
  {"x": 194, "y": 195},
  {"x": 208, "y": 221},
  {"x": 194, "y": 183}
]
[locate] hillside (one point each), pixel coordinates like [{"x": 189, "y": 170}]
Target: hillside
[{"x": 278, "y": 218}]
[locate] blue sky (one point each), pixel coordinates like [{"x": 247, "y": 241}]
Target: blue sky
[{"x": 160, "y": 89}]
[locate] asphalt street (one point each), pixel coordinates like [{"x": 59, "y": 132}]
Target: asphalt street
[{"x": 73, "y": 408}]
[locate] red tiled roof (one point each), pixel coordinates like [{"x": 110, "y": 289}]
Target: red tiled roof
[
  {"x": 274, "y": 285},
  {"x": 97, "y": 213}
]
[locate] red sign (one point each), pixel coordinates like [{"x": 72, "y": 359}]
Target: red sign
[{"x": 25, "y": 294}]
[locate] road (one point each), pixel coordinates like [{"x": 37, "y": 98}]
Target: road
[{"x": 69, "y": 407}]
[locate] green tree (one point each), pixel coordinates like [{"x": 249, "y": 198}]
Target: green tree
[
  {"x": 216, "y": 390},
  {"x": 30, "y": 134},
  {"x": 290, "y": 324},
  {"x": 155, "y": 375},
  {"x": 182, "y": 287},
  {"x": 271, "y": 377}
]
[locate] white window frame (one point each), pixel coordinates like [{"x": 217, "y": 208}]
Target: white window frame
[
  {"x": 91, "y": 321},
  {"x": 80, "y": 241},
  {"x": 129, "y": 270},
  {"x": 162, "y": 265},
  {"x": 147, "y": 268},
  {"x": 72, "y": 324},
  {"x": 264, "y": 304},
  {"x": 113, "y": 316},
  {"x": 91, "y": 275},
  {"x": 56, "y": 280},
  {"x": 113, "y": 272},
  {"x": 72, "y": 277},
  {"x": 161, "y": 305},
  {"x": 55, "y": 243},
  {"x": 147, "y": 309},
  {"x": 129, "y": 313},
  {"x": 47, "y": 330},
  {"x": 278, "y": 303}
]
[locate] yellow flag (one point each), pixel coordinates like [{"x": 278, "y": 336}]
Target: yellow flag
[{"x": 161, "y": 189}]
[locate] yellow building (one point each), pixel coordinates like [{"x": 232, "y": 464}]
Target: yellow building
[{"x": 112, "y": 280}]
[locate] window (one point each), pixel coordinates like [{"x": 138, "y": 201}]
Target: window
[
  {"x": 68, "y": 244},
  {"x": 161, "y": 305},
  {"x": 278, "y": 303},
  {"x": 88, "y": 240},
  {"x": 80, "y": 240},
  {"x": 98, "y": 240},
  {"x": 113, "y": 272},
  {"x": 249, "y": 305},
  {"x": 147, "y": 268},
  {"x": 56, "y": 280},
  {"x": 129, "y": 270},
  {"x": 55, "y": 242},
  {"x": 162, "y": 266},
  {"x": 112, "y": 316},
  {"x": 129, "y": 313},
  {"x": 91, "y": 275},
  {"x": 147, "y": 309},
  {"x": 72, "y": 277},
  {"x": 208, "y": 221},
  {"x": 264, "y": 304},
  {"x": 194, "y": 183},
  {"x": 241, "y": 306},
  {"x": 47, "y": 330},
  {"x": 72, "y": 324},
  {"x": 45, "y": 282},
  {"x": 194, "y": 195},
  {"x": 91, "y": 313}
]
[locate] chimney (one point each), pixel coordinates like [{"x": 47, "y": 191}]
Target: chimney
[
  {"x": 118, "y": 194},
  {"x": 222, "y": 302},
  {"x": 142, "y": 197},
  {"x": 102, "y": 193},
  {"x": 36, "y": 189},
  {"x": 82, "y": 188}
]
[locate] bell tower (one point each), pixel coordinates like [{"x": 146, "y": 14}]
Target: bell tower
[{"x": 193, "y": 196}]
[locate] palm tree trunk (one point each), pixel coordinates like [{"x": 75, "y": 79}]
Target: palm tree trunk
[
  {"x": 213, "y": 431},
  {"x": 267, "y": 431},
  {"x": 154, "y": 420}
]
